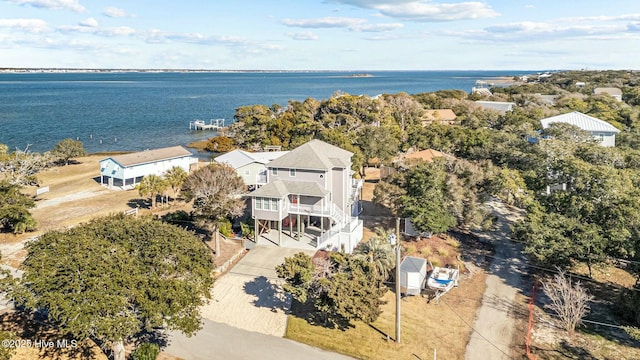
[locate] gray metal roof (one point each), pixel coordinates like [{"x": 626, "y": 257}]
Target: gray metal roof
[
  {"x": 313, "y": 155},
  {"x": 239, "y": 158},
  {"x": 281, "y": 188},
  {"x": 583, "y": 121},
  {"x": 500, "y": 106},
  {"x": 150, "y": 156}
]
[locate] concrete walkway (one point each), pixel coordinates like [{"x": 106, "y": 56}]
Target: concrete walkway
[{"x": 494, "y": 323}]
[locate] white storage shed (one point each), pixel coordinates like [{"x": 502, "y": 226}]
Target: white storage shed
[{"x": 413, "y": 272}]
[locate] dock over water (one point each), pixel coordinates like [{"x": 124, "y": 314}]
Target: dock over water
[{"x": 214, "y": 124}]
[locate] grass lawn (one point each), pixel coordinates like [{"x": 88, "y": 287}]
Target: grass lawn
[{"x": 424, "y": 327}]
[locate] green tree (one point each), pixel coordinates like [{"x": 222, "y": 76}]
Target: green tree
[
  {"x": 378, "y": 253},
  {"x": 220, "y": 144},
  {"x": 14, "y": 209},
  {"x": 152, "y": 186},
  {"x": 426, "y": 199},
  {"x": 216, "y": 192},
  {"x": 114, "y": 277},
  {"x": 378, "y": 142},
  {"x": 67, "y": 149},
  {"x": 175, "y": 177},
  {"x": 390, "y": 196},
  {"x": 341, "y": 289}
]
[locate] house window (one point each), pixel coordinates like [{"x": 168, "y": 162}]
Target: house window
[
  {"x": 274, "y": 171},
  {"x": 274, "y": 204},
  {"x": 599, "y": 137},
  {"x": 258, "y": 203},
  {"x": 292, "y": 172}
]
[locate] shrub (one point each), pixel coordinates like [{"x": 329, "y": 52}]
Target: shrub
[
  {"x": 628, "y": 306},
  {"x": 426, "y": 251},
  {"x": 225, "y": 228},
  {"x": 443, "y": 251},
  {"x": 411, "y": 250},
  {"x": 146, "y": 351}
]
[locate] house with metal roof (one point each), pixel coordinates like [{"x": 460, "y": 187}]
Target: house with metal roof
[
  {"x": 310, "y": 200},
  {"x": 127, "y": 170},
  {"x": 611, "y": 91},
  {"x": 604, "y": 132},
  {"x": 500, "y": 106},
  {"x": 250, "y": 166}
]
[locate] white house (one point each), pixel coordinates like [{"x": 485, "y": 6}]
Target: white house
[
  {"x": 250, "y": 166},
  {"x": 127, "y": 170},
  {"x": 312, "y": 187},
  {"x": 604, "y": 132}
]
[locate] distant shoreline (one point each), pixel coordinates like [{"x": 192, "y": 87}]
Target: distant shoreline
[{"x": 348, "y": 73}]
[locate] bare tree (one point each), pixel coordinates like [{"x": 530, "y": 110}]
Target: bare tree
[
  {"x": 569, "y": 301},
  {"x": 21, "y": 166},
  {"x": 216, "y": 191}
]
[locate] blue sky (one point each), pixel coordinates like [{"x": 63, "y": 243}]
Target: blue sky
[{"x": 321, "y": 35}]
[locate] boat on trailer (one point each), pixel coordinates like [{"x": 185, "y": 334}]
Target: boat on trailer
[{"x": 442, "y": 279}]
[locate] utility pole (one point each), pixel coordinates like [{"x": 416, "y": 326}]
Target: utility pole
[{"x": 398, "y": 297}]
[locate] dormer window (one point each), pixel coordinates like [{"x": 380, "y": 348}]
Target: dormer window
[{"x": 274, "y": 171}]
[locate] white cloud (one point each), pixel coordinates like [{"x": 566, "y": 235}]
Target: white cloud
[
  {"x": 26, "y": 25},
  {"x": 377, "y": 27},
  {"x": 626, "y": 17},
  {"x": 72, "y": 5},
  {"x": 307, "y": 35},
  {"x": 426, "y": 10},
  {"x": 89, "y": 22},
  {"x": 115, "y": 12},
  {"x": 326, "y": 22},
  {"x": 353, "y": 24}
]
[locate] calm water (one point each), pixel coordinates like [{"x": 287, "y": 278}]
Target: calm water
[{"x": 136, "y": 111}]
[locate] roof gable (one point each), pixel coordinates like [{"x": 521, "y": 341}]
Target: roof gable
[
  {"x": 313, "y": 155},
  {"x": 281, "y": 188},
  {"x": 149, "y": 156},
  {"x": 583, "y": 121}
]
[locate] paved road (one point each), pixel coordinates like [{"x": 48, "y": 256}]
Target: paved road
[
  {"x": 221, "y": 341},
  {"x": 494, "y": 322}
]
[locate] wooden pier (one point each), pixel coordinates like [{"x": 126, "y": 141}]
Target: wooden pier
[{"x": 214, "y": 124}]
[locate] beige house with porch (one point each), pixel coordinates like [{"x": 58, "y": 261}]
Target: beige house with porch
[{"x": 310, "y": 198}]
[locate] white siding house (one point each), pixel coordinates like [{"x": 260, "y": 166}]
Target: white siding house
[
  {"x": 250, "y": 166},
  {"x": 604, "y": 132},
  {"x": 127, "y": 170}
]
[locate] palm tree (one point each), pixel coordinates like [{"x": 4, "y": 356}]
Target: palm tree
[
  {"x": 377, "y": 252},
  {"x": 152, "y": 186},
  {"x": 175, "y": 178}
]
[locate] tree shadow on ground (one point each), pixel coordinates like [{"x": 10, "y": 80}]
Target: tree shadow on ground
[
  {"x": 51, "y": 344},
  {"x": 267, "y": 294},
  {"x": 311, "y": 315},
  {"x": 139, "y": 203}
]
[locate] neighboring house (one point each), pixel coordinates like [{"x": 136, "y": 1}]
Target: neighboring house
[
  {"x": 604, "y": 132},
  {"x": 440, "y": 116},
  {"x": 613, "y": 92},
  {"x": 547, "y": 99},
  {"x": 407, "y": 160},
  {"x": 127, "y": 170},
  {"x": 250, "y": 166},
  {"x": 499, "y": 106},
  {"x": 310, "y": 187}
]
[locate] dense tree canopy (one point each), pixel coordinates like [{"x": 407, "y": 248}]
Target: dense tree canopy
[
  {"x": 14, "y": 209},
  {"x": 112, "y": 278}
]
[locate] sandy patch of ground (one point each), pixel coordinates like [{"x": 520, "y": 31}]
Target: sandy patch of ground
[{"x": 249, "y": 296}]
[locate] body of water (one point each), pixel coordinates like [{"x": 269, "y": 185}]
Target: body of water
[{"x": 137, "y": 110}]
